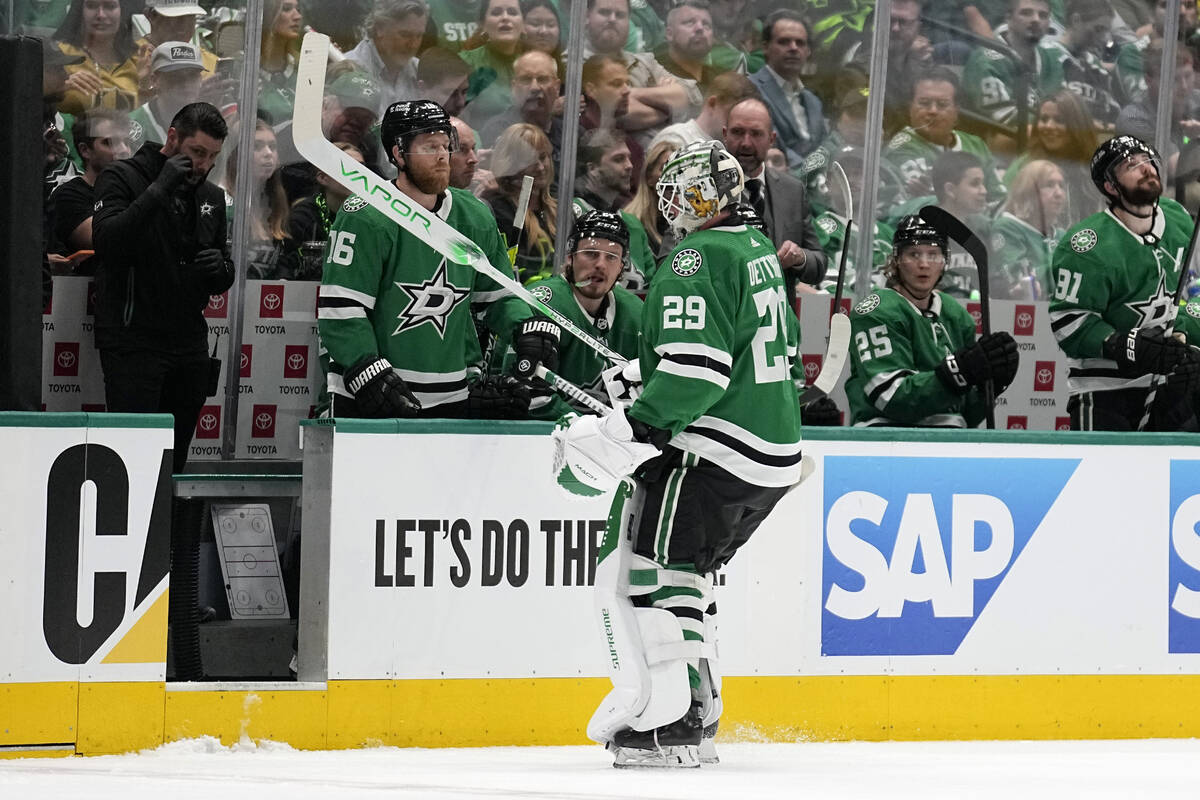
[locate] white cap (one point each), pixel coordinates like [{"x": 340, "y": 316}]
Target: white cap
[
  {"x": 175, "y": 8},
  {"x": 170, "y": 56}
]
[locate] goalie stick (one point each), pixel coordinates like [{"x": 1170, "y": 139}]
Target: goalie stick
[
  {"x": 957, "y": 230},
  {"x": 837, "y": 346},
  {"x": 1184, "y": 271},
  {"x": 383, "y": 196}
]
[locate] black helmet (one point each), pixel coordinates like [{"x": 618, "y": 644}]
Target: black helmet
[
  {"x": 599, "y": 225},
  {"x": 911, "y": 229},
  {"x": 410, "y": 118},
  {"x": 1113, "y": 152}
]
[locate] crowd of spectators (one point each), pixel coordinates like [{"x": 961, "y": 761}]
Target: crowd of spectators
[{"x": 992, "y": 109}]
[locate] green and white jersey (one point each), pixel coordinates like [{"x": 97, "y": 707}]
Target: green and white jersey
[
  {"x": 895, "y": 349},
  {"x": 912, "y": 156},
  {"x": 1020, "y": 259},
  {"x": 145, "y": 127},
  {"x": 384, "y": 293},
  {"x": 454, "y": 21},
  {"x": 618, "y": 327},
  {"x": 990, "y": 79},
  {"x": 718, "y": 342},
  {"x": 831, "y": 232},
  {"x": 1106, "y": 280}
]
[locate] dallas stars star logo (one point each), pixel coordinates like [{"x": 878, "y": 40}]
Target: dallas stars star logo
[
  {"x": 431, "y": 301},
  {"x": 206, "y": 209},
  {"x": 1153, "y": 310}
]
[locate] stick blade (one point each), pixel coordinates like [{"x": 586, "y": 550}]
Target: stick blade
[{"x": 834, "y": 363}]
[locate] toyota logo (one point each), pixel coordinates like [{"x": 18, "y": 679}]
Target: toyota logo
[
  {"x": 1024, "y": 320},
  {"x": 1044, "y": 375},
  {"x": 216, "y": 302},
  {"x": 208, "y": 422},
  {"x": 245, "y": 360},
  {"x": 66, "y": 359},
  {"x": 1016, "y": 426},
  {"x": 810, "y": 369},
  {"x": 271, "y": 301},
  {"x": 296, "y": 361},
  {"x": 976, "y": 315},
  {"x": 1066, "y": 426},
  {"x": 263, "y": 421}
]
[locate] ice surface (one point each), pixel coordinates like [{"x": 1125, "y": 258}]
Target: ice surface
[{"x": 203, "y": 768}]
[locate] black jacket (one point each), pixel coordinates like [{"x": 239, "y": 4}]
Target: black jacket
[{"x": 146, "y": 290}]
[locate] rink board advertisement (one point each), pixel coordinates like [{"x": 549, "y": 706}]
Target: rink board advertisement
[
  {"x": 84, "y": 547},
  {"x": 939, "y": 556}
]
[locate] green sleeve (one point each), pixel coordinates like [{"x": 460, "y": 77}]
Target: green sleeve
[
  {"x": 640, "y": 254},
  {"x": 1082, "y": 289},
  {"x": 350, "y": 284}
]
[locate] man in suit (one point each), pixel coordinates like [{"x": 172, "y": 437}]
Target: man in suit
[
  {"x": 795, "y": 111},
  {"x": 777, "y": 197}
]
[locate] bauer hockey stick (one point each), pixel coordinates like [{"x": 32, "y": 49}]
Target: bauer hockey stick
[
  {"x": 391, "y": 202},
  {"x": 957, "y": 230},
  {"x": 837, "y": 345},
  {"x": 1157, "y": 380}
]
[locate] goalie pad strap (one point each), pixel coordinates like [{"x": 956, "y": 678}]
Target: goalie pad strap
[
  {"x": 645, "y": 581},
  {"x": 689, "y": 649}
]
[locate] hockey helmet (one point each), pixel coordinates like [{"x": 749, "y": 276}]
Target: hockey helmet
[
  {"x": 912, "y": 229},
  {"x": 404, "y": 121},
  {"x": 697, "y": 183},
  {"x": 1113, "y": 152},
  {"x": 599, "y": 225}
]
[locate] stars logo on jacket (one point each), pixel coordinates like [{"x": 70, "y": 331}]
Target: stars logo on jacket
[
  {"x": 431, "y": 301},
  {"x": 206, "y": 209}
]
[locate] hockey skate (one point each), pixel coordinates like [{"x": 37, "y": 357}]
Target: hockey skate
[
  {"x": 708, "y": 745},
  {"x": 673, "y": 746}
]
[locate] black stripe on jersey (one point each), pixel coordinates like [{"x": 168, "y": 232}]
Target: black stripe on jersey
[
  {"x": 704, "y": 362},
  {"x": 883, "y": 387},
  {"x": 738, "y": 446},
  {"x": 685, "y": 611},
  {"x": 338, "y": 302},
  {"x": 1065, "y": 320}
]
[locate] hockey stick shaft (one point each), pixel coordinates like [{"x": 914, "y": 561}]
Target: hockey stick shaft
[
  {"x": 841, "y": 275},
  {"x": 1184, "y": 271},
  {"x": 383, "y": 196},
  {"x": 957, "y": 230},
  {"x": 565, "y": 387}
]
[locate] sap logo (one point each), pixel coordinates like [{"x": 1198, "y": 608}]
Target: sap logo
[
  {"x": 1183, "y": 570},
  {"x": 915, "y": 547}
]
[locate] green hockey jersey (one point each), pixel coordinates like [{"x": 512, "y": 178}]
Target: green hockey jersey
[
  {"x": 893, "y": 354},
  {"x": 831, "y": 232},
  {"x": 1106, "y": 279},
  {"x": 385, "y": 293},
  {"x": 1020, "y": 259},
  {"x": 618, "y": 327},
  {"x": 912, "y": 156},
  {"x": 990, "y": 79},
  {"x": 718, "y": 342}
]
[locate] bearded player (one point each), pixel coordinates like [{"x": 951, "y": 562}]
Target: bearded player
[
  {"x": 1114, "y": 276},
  {"x": 395, "y": 317},
  {"x": 712, "y": 444}
]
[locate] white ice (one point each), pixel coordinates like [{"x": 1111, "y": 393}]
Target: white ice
[{"x": 202, "y": 768}]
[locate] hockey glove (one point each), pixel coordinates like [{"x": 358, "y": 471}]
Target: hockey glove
[
  {"x": 822, "y": 413},
  {"x": 498, "y": 397},
  {"x": 1185, "y": 378},
  {"x": 993, "y": 357},
  {"x": 593, "y": 454},
  {"x": 1143, "y": 351},
  {"x": 379, "y": 390},
  {"x": 623, "y": 383},
  {"x": 535, "y": 341}
]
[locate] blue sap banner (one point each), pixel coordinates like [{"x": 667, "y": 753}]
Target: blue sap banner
[
  {"x": 914, "y": 548},
  {"x": 1183, "y": 598}
]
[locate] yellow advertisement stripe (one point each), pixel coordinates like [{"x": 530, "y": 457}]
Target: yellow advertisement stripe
[{"x": 146, "y": 641}]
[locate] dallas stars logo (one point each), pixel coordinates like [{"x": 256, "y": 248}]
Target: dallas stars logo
[
  {"x": 206, "y": 209},
  {"x": 431, "y": 301},
  {"x": 1083, "y": 240},
  {"x": 1154, "y": 310}
]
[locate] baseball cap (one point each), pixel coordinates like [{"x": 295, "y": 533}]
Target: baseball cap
[
  {"x": 170, "y": 56},
  {"x": 355, "y": 90},
  {"x": 175, "y": 8}
]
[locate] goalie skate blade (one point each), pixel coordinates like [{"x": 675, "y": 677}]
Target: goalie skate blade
[
  {"x": 681, "y": 756},
  {"x": 708, "y": 752}
]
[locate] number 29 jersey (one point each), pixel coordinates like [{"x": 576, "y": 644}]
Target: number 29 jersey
[{"x": 718, "y": 342}]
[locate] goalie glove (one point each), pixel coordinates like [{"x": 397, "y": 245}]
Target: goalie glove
[
  {"x": 535, "y": 341},
  {"x": 623, "y": 383},
  {"x": 993, "y": 357},
  {"x": 498, "y": 397},
  {"x": 378, "y": 389},
  {"x": 593, "y": 454},
  {"x": 1144, "y": 351}
]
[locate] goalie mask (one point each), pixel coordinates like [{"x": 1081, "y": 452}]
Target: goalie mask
[
  {"x": 697, "y": 183},
  {"x": 406, "y": 120}
]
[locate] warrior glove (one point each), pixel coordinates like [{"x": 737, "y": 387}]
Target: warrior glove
[
  {"x": 379, "y": 390},
  {"x": 535, "y": 341},
  {"x": 993, "y": 357},
  {"x": 1144, "y": 351},
  {"x": 499, "y": 397}
]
